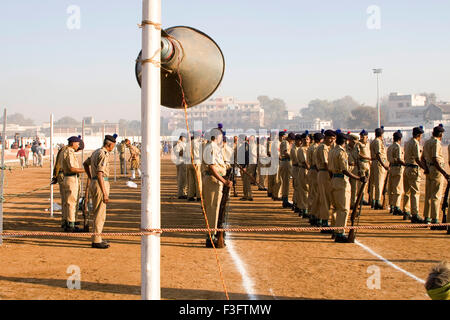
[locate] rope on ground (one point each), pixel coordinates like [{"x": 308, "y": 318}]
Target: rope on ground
[{"x": 147, "y": 232}]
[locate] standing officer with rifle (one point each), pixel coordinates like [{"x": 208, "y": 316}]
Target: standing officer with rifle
[
  {"x": 379, "y": 167},
  {"x": 213, "y": 181},
  {"x": 432, "y": 154},
  {"x": 395, "y": 158},
  {"x": 411, "y": 177},
  {"x": 340, "y": 185}
]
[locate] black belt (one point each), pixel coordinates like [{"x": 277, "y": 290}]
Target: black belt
[
  {"x": 338, "y": 175},
  {"x": 323, "y": 170},
  {"x": 364, "y": 160},
  {"x": 409, "y": 165},
  {"x": 295, "y": 165},
  {"x": 71, "y": 174},
  {"x": 395, "y": 165},
  {"x": 313, "y": 168},
  {"x": 285, "y": 159}
]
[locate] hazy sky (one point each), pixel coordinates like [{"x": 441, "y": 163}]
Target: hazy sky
[{"x": 295, "y": 50}]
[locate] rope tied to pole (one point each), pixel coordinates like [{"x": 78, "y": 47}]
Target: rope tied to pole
[{"x": 144, "y": 23}]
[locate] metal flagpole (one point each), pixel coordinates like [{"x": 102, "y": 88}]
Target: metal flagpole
[
  {"x": 115, "y": 157},
  {"x": 150, "y": 119},
  {"x": 51, "y": 164},
  {"x": 3, "y": 175}
]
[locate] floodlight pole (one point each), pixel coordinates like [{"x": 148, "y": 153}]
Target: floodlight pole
[
  {"x": 51, "y": 164},
  {"x": 3, "y": 175},
  {"x": 378, "y": 72},
  {"x": 150, "y": 119},
  {"x": 82, "y": 153}
]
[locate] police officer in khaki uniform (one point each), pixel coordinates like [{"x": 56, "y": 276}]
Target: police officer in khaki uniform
[
  {"x": 58, "y": 175},
  {"x": 122, "y": 147},
  {"x": 179, "y": 158},
  {"x": 244, "y": 161},
  {"x": 213, "y": 173},
  {"x": 432, "y": 154},
  {"x": 71, "y": 170},
  {"x": 379, "y": 167},
  {"x": 323, "y": 178},
  {"x": 286, "y": 167},
  {"x": 295, "y": 169},
  {"x": 340, "y": 186},
  {"x": 353, "y": 165},
  {"x": 134, "y": 160},
  {"x": 363, "y": 150},
  {"x": 395, "y": 159},
  {"x": 313, "y": 196},
  {"x": 303, "y": 185},
  {"x": 97, "y": 170},
  {"x": 411, "y": 177},
  {"x": 193, "y": 168},
  {"x": 274, "y": 170}
]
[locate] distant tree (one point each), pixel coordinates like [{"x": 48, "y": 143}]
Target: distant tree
[
  {"x": 363, "y": 118},
  {"x": 67, "y": 121},
  {"x": 19, "y": 119},
  {"x": 338, "y": 110},
  {"x": 274, "y": 110}
]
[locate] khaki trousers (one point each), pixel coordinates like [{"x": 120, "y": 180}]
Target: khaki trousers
[
  {"x": 340, "y": 196},
  {"x": 98, "y": 212},
  {"x": 324, "y": 188},
  {"x": 193, "y": 188},
  {"x": 411, "y": 185},
  {"x": 285, "y": 174},
  {"x": 295, "y": 185},
  {"x": 395, "y": 186},
  {"x": 212, "y": 195},
  {"x": 379, "y": 175},
  {"x": 303, "y": 189},
  {"x": 354, "y": 186},
  {"x": 262, "y": 179},
  {"x": 71, "y": 189},
  {"x": 313, "y": 196},
  {"x": 433, "y": 194},
  {"x": 246, "y": 183},
  {"x": 63, "y": 197},
  {"x": 181, "y": 179},
  {"x": 274, "y": 185}
]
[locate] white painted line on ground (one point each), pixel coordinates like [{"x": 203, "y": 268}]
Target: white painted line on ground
[
  {"x": 409, "y": 274},
  {"x": 246, "y": 281}
]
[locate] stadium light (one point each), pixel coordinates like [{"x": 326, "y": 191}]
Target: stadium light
[{"x": 378, "y": 72}]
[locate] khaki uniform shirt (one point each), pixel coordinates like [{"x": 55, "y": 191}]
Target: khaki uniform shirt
[
  {"x": 412, "y": 151},
  {"x": 321, "y": 156},
  {"x": 69, "y": 160},
  {"x": 213, "y": 155},
  {"x": 294, "y": 158},
  {"x": 302, "y": 156},
  {"x": 338, "y": 160},
  {"x": 310, "y": 155},
  {"x": 99, "y": 161},
  {"x": 363, "y": 149},
  {"x": 59, "y": 161},
  {"x": 377, "y": 147},
  {"x": 394, "y": 153},
  {"x": 285, "y": 149},
  {"x": 433, "y": 149}
]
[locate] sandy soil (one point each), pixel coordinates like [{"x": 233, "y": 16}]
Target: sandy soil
[{"x": 277, "y": 265}]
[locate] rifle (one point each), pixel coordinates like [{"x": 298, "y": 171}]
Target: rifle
[
  {"x": 252, "y": 178},
  {"x": 445, "y": 203},
  {"x": 356, "y": 212},
  {"x": 81, "y": 207},
  {"x": 221, "y": 221},
  {"x": 385, "y": 189}
]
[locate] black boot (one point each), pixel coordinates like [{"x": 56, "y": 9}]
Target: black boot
[
  {"x": 341, "y": 238},
  {"x": 286, "y": 203},
  {"x": 101, "y": 245},
  {"x": 71, "y": 228},
  {"x": 406, "y": 215},
  {"x": 325, "y": 224}
]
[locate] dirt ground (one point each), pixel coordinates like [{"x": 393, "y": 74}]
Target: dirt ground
[{"x": 306, "y": 265}]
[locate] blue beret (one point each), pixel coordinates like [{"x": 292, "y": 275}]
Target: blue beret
[{"x": 74, "y": 139}]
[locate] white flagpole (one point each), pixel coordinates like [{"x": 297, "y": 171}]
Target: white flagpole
[
  {"x": 51, "y": 164},
  {"x": 150, "y": 117},
  {"x": 3, "y": 174}
]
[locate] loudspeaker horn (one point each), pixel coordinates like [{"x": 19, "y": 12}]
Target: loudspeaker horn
[{"x": 193, "y": 56}]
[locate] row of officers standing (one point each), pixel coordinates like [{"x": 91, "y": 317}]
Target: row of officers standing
[{"x": 327, "y": 170}]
